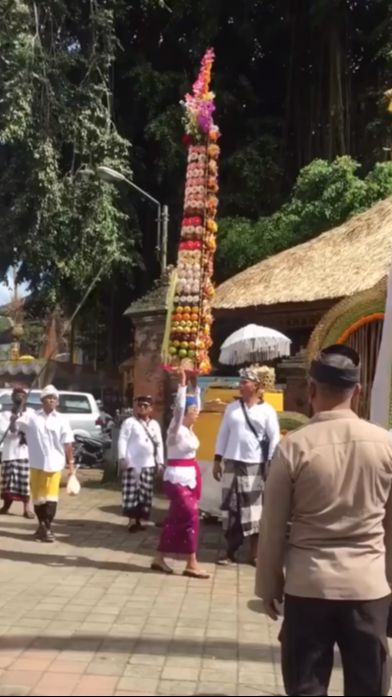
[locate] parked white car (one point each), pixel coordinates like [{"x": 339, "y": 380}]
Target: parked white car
[{"x": 80, "y": 407}]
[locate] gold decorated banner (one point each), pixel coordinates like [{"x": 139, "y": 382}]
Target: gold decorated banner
[{"x": 381, "y": 396}]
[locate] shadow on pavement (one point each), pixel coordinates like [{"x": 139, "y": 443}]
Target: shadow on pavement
[
  {"x": 59, "y": 560},
  {"x": 24, "y": 537},
  {"x": 112, "y": 510},
  {"x": 85, "y": 533},
  {"x": 224, "y": 650},
  {"x": 256, "y": 605}
]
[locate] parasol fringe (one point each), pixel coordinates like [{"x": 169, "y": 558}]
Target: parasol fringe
[{"x": 241, "y": 347}]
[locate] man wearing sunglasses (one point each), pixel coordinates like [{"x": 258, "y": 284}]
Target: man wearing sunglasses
[{"x": 140, "y": 452}]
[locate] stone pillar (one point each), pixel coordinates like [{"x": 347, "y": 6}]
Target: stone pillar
[
  {"x": 295, "y": 398},
  {"x": 148, "y": 376},
  {"x": 148, "y": 316},
  {"x": 293, "y": 372}
]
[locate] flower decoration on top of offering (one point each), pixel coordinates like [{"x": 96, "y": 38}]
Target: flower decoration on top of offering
[{"x": 188, "y": 331}]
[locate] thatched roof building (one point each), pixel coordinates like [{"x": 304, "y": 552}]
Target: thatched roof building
[
  {"x": 293, "y": 291},
  {"x": 341, "y": 262}
]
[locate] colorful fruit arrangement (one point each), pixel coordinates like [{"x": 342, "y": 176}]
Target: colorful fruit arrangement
[{"x": 188, "y": 335}]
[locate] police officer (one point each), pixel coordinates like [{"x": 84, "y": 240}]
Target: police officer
[{"x": 332, "y": 479}]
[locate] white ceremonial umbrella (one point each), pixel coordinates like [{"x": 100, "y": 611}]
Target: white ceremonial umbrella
[{"x": 253, "y": 343}]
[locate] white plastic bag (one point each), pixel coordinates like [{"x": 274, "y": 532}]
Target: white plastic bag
[{"x": 73, "y": 485}]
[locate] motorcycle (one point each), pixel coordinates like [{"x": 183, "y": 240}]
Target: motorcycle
[{"x": 90, "y": 452}]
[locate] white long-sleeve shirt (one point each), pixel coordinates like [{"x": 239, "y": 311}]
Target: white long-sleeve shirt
[
  {"x": 235, "y": 439},
  {"x": 136, "y": 447},
  {"x": 46, "y": 436},
  {"x": 182, "y": 443},
  {"x": 12, "y": 448}
]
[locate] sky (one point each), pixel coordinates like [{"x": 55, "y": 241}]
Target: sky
[{"x": 7, "y": 291}]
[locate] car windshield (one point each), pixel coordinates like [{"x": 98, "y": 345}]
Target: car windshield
[
  {"x": 5, "y": 402},
  {"x": 74, "y": 404},
  {"x": 33, "y": 402},
  {"x": 69, "y": 403}
]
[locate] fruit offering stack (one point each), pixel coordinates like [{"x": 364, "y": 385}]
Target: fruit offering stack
[{"x": 188, "y": 336}]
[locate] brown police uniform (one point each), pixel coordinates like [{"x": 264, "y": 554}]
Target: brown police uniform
[{"x": 332, "y": 479}]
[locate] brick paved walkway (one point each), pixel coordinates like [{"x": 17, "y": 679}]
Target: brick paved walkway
[{"x": 85, "y": 616}]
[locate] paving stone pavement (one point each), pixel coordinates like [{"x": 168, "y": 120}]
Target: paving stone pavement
[{"x": 85, "y": 616}]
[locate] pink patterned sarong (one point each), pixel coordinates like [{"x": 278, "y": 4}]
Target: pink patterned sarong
[{"x": 180, "y": 533}]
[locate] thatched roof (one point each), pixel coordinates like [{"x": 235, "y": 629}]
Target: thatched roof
[{"x": 341, "y": 262}]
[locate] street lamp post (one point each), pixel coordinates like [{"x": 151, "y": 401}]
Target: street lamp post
[
  {"x": 112, "y": 176},
  {"x": 165, "y": 235}
]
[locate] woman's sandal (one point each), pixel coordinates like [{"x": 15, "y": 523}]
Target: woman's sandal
[
  {"x": 196, "y": 574},
  {"x": 161, "y": 568}
]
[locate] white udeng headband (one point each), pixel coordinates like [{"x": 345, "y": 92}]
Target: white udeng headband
[{"x": 49, "y": 391}]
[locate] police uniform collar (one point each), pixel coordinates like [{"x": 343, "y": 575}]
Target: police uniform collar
[{"x": 334, "y": 414}]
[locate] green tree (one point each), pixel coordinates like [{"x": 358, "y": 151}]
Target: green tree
[
  {"x": 56, "y": 125},
  {"x": 294, "y": 81},
  {"x": 324, "y": 196}
]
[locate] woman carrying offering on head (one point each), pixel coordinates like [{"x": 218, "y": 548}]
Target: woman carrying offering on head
[{"x": 182, "y": 484}]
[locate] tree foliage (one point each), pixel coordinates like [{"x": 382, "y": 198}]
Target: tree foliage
[
  {"x": 91, "y": 82},
  {"x": 56, "y": 125},
  {"x": 324, "y": 196},
  {"x": 295, "y": 82}
]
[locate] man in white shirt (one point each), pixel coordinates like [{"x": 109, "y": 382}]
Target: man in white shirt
[
  {"x": 49, "y": 439},
  {"x": 140, "y": 451},
  {"x": 15, "y": 481},
  {"x": 246, "y": 442}
]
